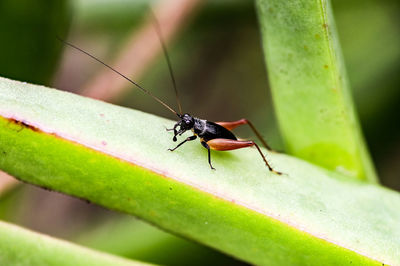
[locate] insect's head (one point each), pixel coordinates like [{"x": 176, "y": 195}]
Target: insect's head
[{"x": 186, "y": 123}]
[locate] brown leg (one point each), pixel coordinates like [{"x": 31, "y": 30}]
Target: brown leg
[
  {"x": 233, "y": 124},
  {"x": 230, "y": 144}
]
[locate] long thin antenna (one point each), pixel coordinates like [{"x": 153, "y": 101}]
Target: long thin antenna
[
  {"x": 171, "y": 73},
  {"x": 122, "y": 75}
]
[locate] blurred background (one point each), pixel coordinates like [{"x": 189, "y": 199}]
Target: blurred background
[{"x": 219, "y": 68}]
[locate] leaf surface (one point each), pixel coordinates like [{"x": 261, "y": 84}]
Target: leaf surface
[{"x": 117, "y": 157}]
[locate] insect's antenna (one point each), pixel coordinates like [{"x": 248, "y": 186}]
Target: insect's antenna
[
  {"x": 122, "y": 75},
  {"x": 171, "y": 73}
]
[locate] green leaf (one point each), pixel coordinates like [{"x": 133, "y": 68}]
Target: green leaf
[
  {"x": 309, "y": 86},
  {"x": 118, "y": 158},
  {"x": 19, "y": 246}
]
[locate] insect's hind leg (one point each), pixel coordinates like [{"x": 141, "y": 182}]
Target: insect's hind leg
[
  {"x": 265, "y": 160},
  {"x": 243, "y": 121},
  {"x": 230, "y": 144},
  {"x": 205, "y": 145}
]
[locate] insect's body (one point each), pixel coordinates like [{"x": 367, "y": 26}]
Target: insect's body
[{"x": 207, "y": 130}]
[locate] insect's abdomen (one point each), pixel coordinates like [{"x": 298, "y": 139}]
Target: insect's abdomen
[{"x": 215, "y": 131}]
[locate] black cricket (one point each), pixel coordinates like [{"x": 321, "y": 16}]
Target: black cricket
[
  {"x": 212, "y": 135},
  {"x": 216, "y": 135}
]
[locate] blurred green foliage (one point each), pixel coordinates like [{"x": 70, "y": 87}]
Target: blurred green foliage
[
  {"x": 29, "y": 50},
  {"x": 370, "y": 37}
]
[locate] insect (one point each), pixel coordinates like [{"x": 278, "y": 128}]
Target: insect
[{"x": 213, "y": 135}]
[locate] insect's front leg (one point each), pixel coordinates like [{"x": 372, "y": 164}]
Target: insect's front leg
[
  {"x": 175, "y": 131},
  {"x": 187, "y": 139}
]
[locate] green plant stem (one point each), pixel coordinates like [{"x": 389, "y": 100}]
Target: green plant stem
[{"x": 309, "y": 85}]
